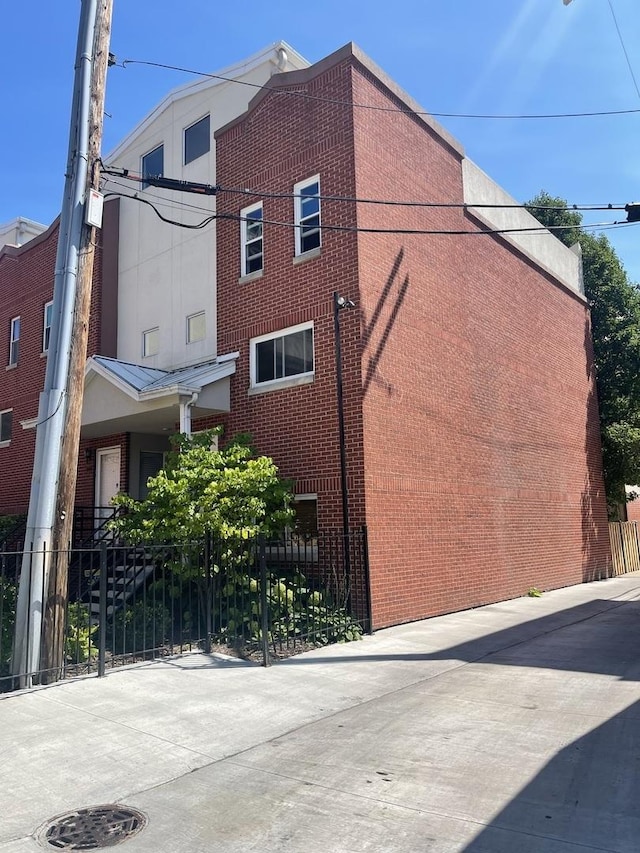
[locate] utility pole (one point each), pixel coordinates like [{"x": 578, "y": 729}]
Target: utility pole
[
  {"x": 59, "y": 388},
  {"x": 55, "y": 609}
]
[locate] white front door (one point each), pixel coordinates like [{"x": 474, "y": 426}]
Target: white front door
[{"x": 107, "y": 481}]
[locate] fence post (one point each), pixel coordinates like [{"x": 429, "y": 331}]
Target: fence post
[
  {"x": 102, "y": 640},
  {"x": 624, "y": 550},
  {"x": 264, "y": 603},
  {"x": 367, "y": 578},
  {"x": 208, "y": 606}
]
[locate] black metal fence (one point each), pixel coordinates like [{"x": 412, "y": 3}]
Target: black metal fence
[{"x": 253, "y": 598}]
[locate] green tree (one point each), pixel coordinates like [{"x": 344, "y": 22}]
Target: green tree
[
  {"x": 231, "y": 493},
  {"x": 615, "y": 322}
]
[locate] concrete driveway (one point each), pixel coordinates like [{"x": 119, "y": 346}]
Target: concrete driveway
[{"x": 513, "y": 727}]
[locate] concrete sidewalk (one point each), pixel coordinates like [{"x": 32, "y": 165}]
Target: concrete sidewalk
[{"x": 513, "y": 727}]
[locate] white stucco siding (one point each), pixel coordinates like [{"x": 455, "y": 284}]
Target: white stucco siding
[
  {"x": 540, "y": 246},
  {"x": 166, "y": 272}
]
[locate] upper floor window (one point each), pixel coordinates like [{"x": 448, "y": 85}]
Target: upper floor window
[
  {"x": 153, "y": 164},
  {"x": 251, "y": 239},
  {"x": 6, "y": 424},
  {"x": 14, "y": 340},
  {"x": 150, "y": 342},
  {"x": 196, "y": 327},
  {"x": 197, "y": 140},
  {"x": 281, "y": 355},
  {"x": 307, "y": 214},
  {"x": 46, "y": 330}
]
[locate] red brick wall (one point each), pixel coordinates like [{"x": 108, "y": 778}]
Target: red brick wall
[
  {"x": 26, "y": 285},
  {"x": 284, "y": 141},
  {"x": 481, "y": 437},
  {"x": 472, "y": 426}
]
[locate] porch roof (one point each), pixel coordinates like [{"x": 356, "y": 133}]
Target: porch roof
[{"x": 124, "y": 397}]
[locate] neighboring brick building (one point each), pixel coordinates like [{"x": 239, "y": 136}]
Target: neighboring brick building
[
  {"x": 26, "y": 292},
  {"x": 470, "y": 410},
  {"x": 471, "y": 422}
]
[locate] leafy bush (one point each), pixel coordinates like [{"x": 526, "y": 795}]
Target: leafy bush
[
  {"x": 138, "y": 628},
  {"x": 8, "y": 598},
  {"x": 78, "y": 643}
]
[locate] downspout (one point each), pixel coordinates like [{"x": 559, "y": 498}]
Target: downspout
[{"x": 185, "y": 413}]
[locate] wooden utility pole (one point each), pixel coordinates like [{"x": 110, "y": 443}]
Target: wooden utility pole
[{"x": 57, "y": 595}]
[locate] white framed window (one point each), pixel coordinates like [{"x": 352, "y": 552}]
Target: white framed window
[
  {"x": 196, "y": 327},
  {"x": 6, "y": 426},
  {"x": 152, "y": 164},
  {"x": 285, "y": 354},
  {"x": 14, "y": 340},
  {"x": 197, "y": 139},
  {"x": 150, "y": 342},
  {"x": 306, "y": 205},
  {"x": 46, "y": 326},
  {"x": 251, "y": 245}
]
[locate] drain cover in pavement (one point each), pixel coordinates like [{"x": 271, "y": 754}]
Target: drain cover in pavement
[{"x": 92, "y": 828}]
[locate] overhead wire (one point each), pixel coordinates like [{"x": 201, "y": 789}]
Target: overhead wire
[
  {"x": 624, "y": 49},
  {"x": 604, "y": 226},
  {"x": 297, "y": 93},
  {"x": 245, "y": 191}
]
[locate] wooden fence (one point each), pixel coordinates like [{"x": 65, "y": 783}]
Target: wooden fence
[{"x": 625, "y": 546}]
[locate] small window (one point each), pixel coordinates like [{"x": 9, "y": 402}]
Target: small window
[
  {"x": 307, "y": 215},
  {"x": 14, "y": 340},
  {"x": 46, "y": 332},
  {"x": 197, "y": 140},
  {"x": 288, "y": 353},
  {"x": 195, "y": 328},
  {"x": 305, "y": 508},
  {"x": 150, "y": 342},
  {"x": 6, "y": 425},
  {"x": 251, "y": 239},
  {"x": 151, "y": 462},
  {"x": 153, "y": 164}
]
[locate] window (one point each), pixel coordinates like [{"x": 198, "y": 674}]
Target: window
[
  {"x": 151, "y": 461},
  {"x": 6, "y": 424},
  {"x": 251, "y": 239},
  {"x": 195, "y": 328},
  {"x": 197, "y": 140},
  {"x": 153, "y": 164},
  {"x": 288, "y": 353},
  {"x": 14, "y": 340},
  {"x": 305, "y": 524},
  {"x": 46, "y": 332},
  {"x": 307, "y": 215},
  {"x": 150, "y": 342}
]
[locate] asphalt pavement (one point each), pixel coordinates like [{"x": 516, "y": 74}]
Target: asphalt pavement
[{"x": 511, "y": 728}]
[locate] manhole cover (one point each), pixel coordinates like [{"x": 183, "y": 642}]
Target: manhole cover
[{"x": 92, "y": 828}]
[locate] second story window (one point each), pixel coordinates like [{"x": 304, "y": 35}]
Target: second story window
[
  {"x": 14, "y": 340},
  {"x": 251, "y": 239},
  {"x": 307, "y": 214},
  {"x": 150, "y": 342},
  {"x": 153, "y": 164},
  {"x": 197, "y": 140},
  {"x": 195, "y": 327},
  {"x": 46, "y": 330}
]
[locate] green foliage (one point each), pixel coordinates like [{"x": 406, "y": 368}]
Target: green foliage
[
  {"x": 8, "y": 598},
  {"x": 615, "y": 321},
  {"x": 78, "y": 643},
  {"x": 231, "y": 493},
  {"x": 138, "y": 628},
  {"x": 296, "y": 612},
  {"x": 534, "y": 592},
  {"x": 8, "y": 522}
]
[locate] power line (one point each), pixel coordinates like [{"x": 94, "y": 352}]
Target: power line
[
  {"x": 127, "y": 175},
  {"x": 604, "y": 226},
  {"x": 624, "y": 49},
  {"x": 288, "y": 93}
]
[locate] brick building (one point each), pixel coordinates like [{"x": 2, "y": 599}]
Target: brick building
[
  {"x": 470, "y": 411},
  {"x": 471, "y": 423}
]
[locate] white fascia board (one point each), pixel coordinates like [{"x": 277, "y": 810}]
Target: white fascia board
[
  {"x": 169, "y": 391},
  {"x": 231, "y": 71},
  {"x": 94, "y": 368}
]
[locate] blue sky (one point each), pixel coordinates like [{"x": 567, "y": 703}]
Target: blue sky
[{"x": 453, "y": 56}]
